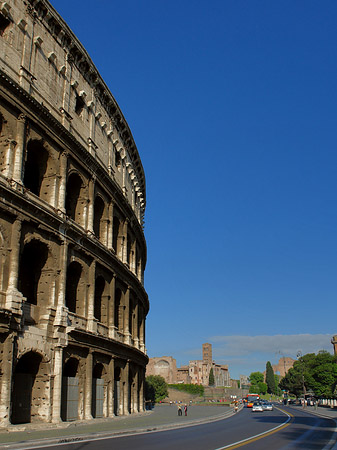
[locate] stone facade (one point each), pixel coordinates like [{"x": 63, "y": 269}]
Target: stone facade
[
  {"x": 284, "y": 364},
  {"x": 197, "y": 372},
  {"x": 72, "y": 247},
  {"x": 165, "y": 366}
]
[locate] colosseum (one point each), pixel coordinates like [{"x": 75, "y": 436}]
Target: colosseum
[{"x": 72, "y": 247}]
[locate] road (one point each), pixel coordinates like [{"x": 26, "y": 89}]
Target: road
[{"x": 283, "y": 428}]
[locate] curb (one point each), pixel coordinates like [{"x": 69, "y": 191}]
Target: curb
[{"x": 38, "y": 443}]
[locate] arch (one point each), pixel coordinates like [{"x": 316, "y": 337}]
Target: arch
[
  {"x": 70, "y": 390},
  {"x": 33, "y": 259},
  {"x": 98, "y": 391},
  {"x": 117, "y": 393},
  {"x": 74, "y": 272},
  {"x": 70, "y": 368},
  {"x": 35, "y": 166},
  {"x": 99, "y": 290},
  {"x": 30, "y": 388},
  {"x": 115, "y": 234},
  {"x": 75, "y": 202},
  {"x": 98, "y": 216},
  {"x": 118, "y": 305}
]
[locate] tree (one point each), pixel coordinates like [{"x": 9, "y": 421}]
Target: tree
[
  {"x": 270, "y": 379},
  {"x": 317, "y": 373},
  {"x": 211, "y": 381},
  {"x": 256, "y": 378},
  {"x": 155, "y": 388}
]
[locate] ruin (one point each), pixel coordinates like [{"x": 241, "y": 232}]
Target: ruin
[{"x": 72, "y": 247}]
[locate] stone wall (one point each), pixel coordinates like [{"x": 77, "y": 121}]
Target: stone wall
[{"x": 72, "y": 247}]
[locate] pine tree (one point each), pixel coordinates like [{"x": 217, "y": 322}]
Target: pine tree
[
  {"x": 270, "y": 379},
  {"x": 211, "y": 380}
]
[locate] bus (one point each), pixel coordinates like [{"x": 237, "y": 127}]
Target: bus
[{"x": 250, "y": 399}]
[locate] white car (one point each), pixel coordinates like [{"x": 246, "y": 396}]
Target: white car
[
  {"x": 257, "y": 406},
  {"x": 267, "y": 406}
]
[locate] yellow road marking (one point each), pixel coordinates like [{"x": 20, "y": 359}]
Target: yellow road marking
[{"x": 260, "y": 436}]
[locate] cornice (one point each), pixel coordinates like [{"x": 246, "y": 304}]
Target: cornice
[
  {"x": 91, "y": 164},
  {"x": 78, "y": 56}
]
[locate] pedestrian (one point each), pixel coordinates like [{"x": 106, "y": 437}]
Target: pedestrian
[
  {"x": 180, "y": 413},
  {"x": 185, "y": 409}
]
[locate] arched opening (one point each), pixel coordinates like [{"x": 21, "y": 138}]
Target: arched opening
[
  {"x": 98, "y": 306},
  {"x": 131, "y": 317},
  {"x": 97, "y": 391},
  {"x": 74, "y": 208},
  {"x": 117, "y": 312},
  {"x": 131, "y": 391},
  {"x": 33, "y": 259},
  {"x": 117, "y": 380},
  {"x": 116, "y": 225},
  {"x": 70, "y": 391},
  {"x": 79, "y": 105},
  {"x": 98, "y": 216},
  {"x": 74, "y": 273},
  {"x": 35, "y": 166},
  {"x": 4, "y": 23},
  {"x": 26, "y": 389}
]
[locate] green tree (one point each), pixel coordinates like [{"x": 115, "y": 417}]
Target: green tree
[
  {"x": 270, "y": 379},
  {"x": 317, "y": 373},
  {"x": 155, "y": 388},
  {"x": 211, "y": 381},
  {"x": 262, "y": 388},
  {"x": 256, "y": 377},
  {"x": 277, "y": 382}
]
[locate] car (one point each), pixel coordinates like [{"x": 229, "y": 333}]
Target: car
[
  {"x": 267, "y": 406},
  {"x": 257, "y": 406}
]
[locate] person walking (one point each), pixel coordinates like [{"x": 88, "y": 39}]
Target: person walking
[
  {"x": 180, "y": 413},
  {"x": 185, "y": 409}
]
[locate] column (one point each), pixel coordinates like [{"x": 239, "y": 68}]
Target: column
[
  {"x": 125, "y": 241},
  {"x": 20, "y": 145},
  {"x": 141, "y": 389},
  {"x": 6, "y": 380},
  {"x": 13, "y": 296},
  {"x": 112, "y": 321},
  {"x": 88, "y": 386},
  {"x": 141, "y": 329},
  {"x": 62, "y": 181},
  {"x": 111, "y": 388},
  {"x": 9, "y": 157},
  {"x": 90, "y": 224},
  {"x": 136, "y": 325},
  {"x": 126, "y": 329},
  {"x": 135, "y": 407},
  {"x": 57, "y": 387},
  {"x": 109, "y": 239},
  {"x": 92, "y": 325},
  {"x": 126, "y": 390}
]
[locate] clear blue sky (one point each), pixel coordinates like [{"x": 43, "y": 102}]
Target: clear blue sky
[{"x": 232, "y": 104}]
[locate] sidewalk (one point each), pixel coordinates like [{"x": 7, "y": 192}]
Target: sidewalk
[
  {"x": 323, "y": 411},
  {"x": 161, "y": 417}
]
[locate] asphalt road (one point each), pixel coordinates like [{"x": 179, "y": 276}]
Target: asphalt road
[{"x": 284, "y": 428}]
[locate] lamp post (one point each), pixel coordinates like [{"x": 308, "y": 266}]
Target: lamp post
[{"x": 299, "y": 355}]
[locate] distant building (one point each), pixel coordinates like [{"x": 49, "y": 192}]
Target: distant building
[
  {"x": 244, "y": 381},
  {"x": 183, "y": 375},
  {"x": 165, "y": 366},
  {"x": 285, "y": 363},
  {"x": 197, "y": 371}
]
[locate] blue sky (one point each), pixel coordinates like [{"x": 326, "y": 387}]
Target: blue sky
[{"x": 232, "y": 104}]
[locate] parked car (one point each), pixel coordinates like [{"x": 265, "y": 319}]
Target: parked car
[{"x": 257, "y": 406}]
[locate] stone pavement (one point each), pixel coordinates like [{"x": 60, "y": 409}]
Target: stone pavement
[{"x": 162, "y": 417}]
